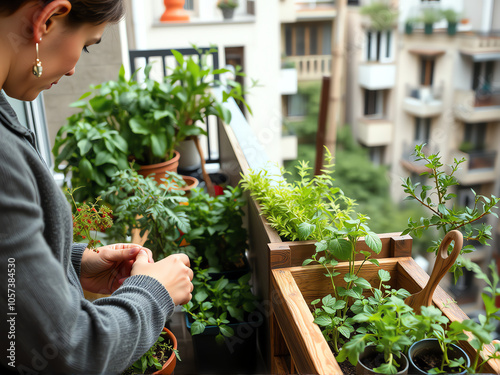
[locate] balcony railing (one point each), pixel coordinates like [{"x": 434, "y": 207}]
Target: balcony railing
[
  {"x": 477, "y": 106},
  {"x": 478, "y": 43},
  {"x": 481, "y": 167},
  {"x": 377, "y": 76},
  {"x": 423, "y": 101},
  {"x": 311, "y": 67},
  {"x": 375, "y": 132}
]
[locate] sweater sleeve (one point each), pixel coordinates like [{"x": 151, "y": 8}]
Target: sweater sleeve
[
  {"x": 76, "y": 256},
  {"x": 47, "y": 326}
]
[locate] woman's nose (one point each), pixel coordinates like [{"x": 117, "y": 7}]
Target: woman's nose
[{"x": 71, "y": 72}]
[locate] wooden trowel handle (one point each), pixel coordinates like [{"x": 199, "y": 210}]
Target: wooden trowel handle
[{"x": 443, "y": 264}]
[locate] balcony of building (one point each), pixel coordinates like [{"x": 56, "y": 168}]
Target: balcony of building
[
  {"x": 481, "y": 167},
  {"x": 377, "y": 76},
  {"x": 480, "y": 105},
  {"x": 311, "y": 67},
  {"x": 408, "y": 160},
  {"x": 307, "y": 10},
  {"x": 374, "y": 132},
  {"x": 473, "y": 43},
  {"x": 423, "y": 101}
]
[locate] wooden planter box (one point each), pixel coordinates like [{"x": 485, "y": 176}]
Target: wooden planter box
[{"x": 297, "y": 344}]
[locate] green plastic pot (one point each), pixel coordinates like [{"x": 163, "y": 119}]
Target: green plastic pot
[
  {"x": 452, "y": 28},
  {"x": 428, "y": 28}
]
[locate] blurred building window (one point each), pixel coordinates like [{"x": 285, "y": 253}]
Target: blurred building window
[
  {"x": 297, "y": 105},
  {"x": 308, "y": 38},
  {"x": 379, "y": 46},
  {"x": 422, "y": 130},
  {"x": 475, "y": 136},
  {"x": 374, "y": 103}
]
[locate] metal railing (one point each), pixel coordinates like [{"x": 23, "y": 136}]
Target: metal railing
[
  {"x": 482, "y": 159},
  {"x": 141, "y": 58}
]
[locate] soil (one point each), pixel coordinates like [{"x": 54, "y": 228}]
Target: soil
[
  {"x": 347, "y": 368},
  {"x": 162, "y": 357},
  {"x": 427, "y": 360},
  {"x": 374, "y": 360}
]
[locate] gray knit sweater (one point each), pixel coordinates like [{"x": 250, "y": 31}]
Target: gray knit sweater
[{"x": 46, "y": 325}]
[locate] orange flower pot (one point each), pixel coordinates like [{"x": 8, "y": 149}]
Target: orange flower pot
[
  {"x": 160, "y": 169},
  {"x": 169, "y": 366},
  {"x": 174, "y": 11}
]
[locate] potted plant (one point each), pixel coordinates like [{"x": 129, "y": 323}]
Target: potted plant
[
  {"x": 409, "y": 24},
  {"x": 381, "y": 14},
  {"x": 144, "y": 206},
  {"x": 217, "y": 233},
  {"x": 122, "y": 121},
  {"x": 223, "y": 319},
  {"x": 161, "y": 358},
  {"x": 429, "y": 17},
  {"x": 438, "y": 352},
  {"x": 452, "y": 17},
  {"x": 193, "y": 99},
  {"x": 227, "y": 7}
]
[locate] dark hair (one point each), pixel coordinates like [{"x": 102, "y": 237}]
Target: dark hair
[{"x": 82, "y": 11}]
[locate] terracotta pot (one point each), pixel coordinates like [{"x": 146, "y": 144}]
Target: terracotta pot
[
  {"x": 174, "y": 11},
  {"x": 160, "y": 169},
  {"x": 169, "y": 366},
  {"x": 361, "y": 369},
  {"x": 191, "y": 183}
]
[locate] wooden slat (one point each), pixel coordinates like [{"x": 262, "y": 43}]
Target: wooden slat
[
  {"x": 280, "y": 366},
  {"x": 310, "y": 352},
  {"x": 292, "y": 254}
]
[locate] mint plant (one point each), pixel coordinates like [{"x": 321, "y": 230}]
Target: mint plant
[
  {"x": 299, "y": 210},
  {"x": 215, "y": 302},
  {"x": 443, "y": 215},
  {"x": 141, "y": 203},
  {"x": 388, "y": 329}
]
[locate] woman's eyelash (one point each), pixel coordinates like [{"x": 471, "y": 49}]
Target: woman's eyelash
[{"x": 85, "y": 49}]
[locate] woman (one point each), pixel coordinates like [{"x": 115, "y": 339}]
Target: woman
[{"x": 47, "y": 325}]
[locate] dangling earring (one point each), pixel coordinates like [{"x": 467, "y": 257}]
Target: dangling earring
[{"x": 37, "y": 68}]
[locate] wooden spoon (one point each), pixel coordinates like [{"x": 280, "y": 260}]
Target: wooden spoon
[{"x": 441, "y": 267}]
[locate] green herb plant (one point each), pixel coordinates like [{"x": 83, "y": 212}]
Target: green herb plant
[
  {"x": 302, "y": 209},
  {"x": 383, "y": 320},
  {"x": 217, "y": 302},
  {"x": 437, "y": 198},
  {"x": 341, "y": 245},
  {"x": 382, "y": 15},
  {"x": 155, "y": 356},
  {"x": 140, "y": 203},
  {"x": 217, "y": 233},
  {"x": 482, "y": 331}
]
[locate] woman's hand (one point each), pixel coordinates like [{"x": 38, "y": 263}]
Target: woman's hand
[
  {"x": 173, "y": 272},
  {"x": 105, "y": 271}
]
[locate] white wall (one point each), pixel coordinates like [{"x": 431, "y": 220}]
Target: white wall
[{"x": 260, "y": 37}]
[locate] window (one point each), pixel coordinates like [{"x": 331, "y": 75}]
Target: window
[
  {"x": 465, "y": 196},
  {"x": 482, "y": 76},
  {"x": 422, "y": 130},
  {"x": 377, "y": 155},
  {"x": 426, "y": 71},
  {"x": 308, "y": 38},
  {"x": 374, "y": 103},
  {"x": 189, "y": 5},
  {"x": 475, "y": 136},
  {"x": 32, "y": 115},
  {"x": 296, "y": 105},
  {"x": 379, "y": 46}
]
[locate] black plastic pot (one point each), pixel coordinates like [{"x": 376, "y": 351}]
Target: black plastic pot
[
  {"x": 232, "y": 275},
  {"x": 362, "y": 369},
  {"x": 237, "y": 355},
  {"x": 227, "y": 13},
  {"x": 423, "y": 347}
]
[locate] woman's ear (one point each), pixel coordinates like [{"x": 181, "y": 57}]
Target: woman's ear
[{"x": 46, "y": 17}]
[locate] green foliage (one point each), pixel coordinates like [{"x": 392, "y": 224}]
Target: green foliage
[
  {"x": 482, "y": 331},
  {"x": 227, "y": 4},
  {"x": 431, "y": 15},
  {"x": 299, "y": 210},
  {"x": 451, "y": 15},
  {"x": 143, "y": 204},
  {"x": 382, "y": 15},
  {"x": 437, "y": 199},
  {"x": 155, "y": 356},
  {"x": 217, "y": 302},
  {"x": 217, "y": 231},
  {"x": 384, "y": 321}
]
